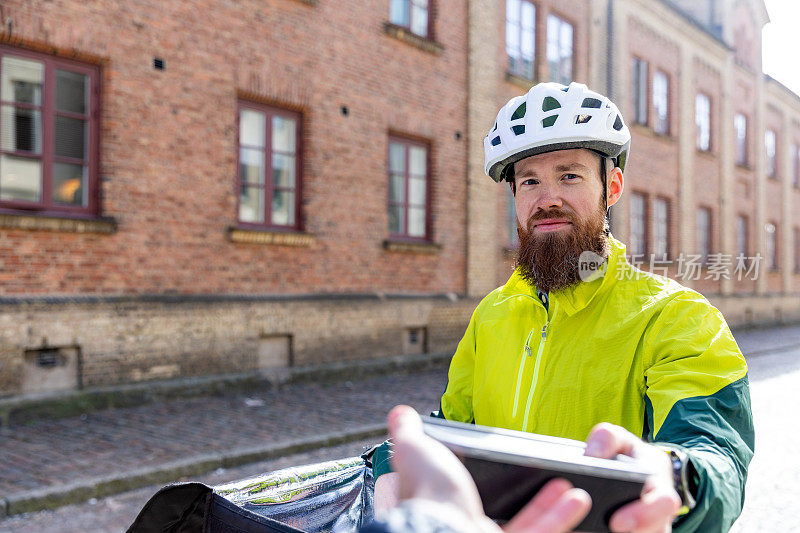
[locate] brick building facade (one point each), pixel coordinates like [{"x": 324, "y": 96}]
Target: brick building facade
[{"x": 196, "y": 188}]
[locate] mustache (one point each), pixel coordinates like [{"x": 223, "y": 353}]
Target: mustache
[{"x": 551, "y": 213}]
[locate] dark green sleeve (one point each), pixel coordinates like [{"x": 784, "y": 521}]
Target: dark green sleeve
[
  {"x": 716, "y": 432},
  {"x": 381, "y": 459}
]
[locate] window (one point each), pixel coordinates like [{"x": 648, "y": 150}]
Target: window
[
  {"x": 769, "y": 147},
  {"x": 661, "y": 228},
  {"x": 661, "y": 102},
  {"x": 771, "y": 246},
  {"x": 412, "y": 15},
  {"x": 639, "y": 90},
  {"x": 795, "y": 155},
  {"x": 48, "y": 134},
  {"x": 702, "y": 119},
  {"x": 797, "y": 250},
  {"x": 520, "y": 37},
  {"x": 511, "y": 220},
  {"x": 740, "y": 127},
  {"x": 269, "y": 166},
  {"x": 408, "y": 188},
  {"x": 559, "y": 49},
  {"x": 704, "y": 232},
  {"x": 638, "y": 238},
  {"x": 741, "y": 236}
]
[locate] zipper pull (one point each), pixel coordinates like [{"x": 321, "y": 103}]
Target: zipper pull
[
  {"x": 544, "y": 331},
  {"x": 528, "y": 350}
]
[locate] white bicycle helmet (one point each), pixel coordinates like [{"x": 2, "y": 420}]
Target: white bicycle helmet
[{"x": 553, "y": 117}]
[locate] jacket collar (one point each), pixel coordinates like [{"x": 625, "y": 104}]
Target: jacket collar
[{"x": 575, "y": 297}]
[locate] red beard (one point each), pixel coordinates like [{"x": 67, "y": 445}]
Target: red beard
[{"x": 549, "y": 261}]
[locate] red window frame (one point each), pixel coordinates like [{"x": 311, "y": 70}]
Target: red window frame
[
  {"x": 47, "y": 157},
  {"x": 518, "y": 69},
  {"x": 268, "y": 187},
  {"x": 405, "y": 204},
  {"x": 407, "y": 4}
]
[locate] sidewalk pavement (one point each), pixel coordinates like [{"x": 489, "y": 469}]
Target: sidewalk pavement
[{"x": 49, "y": 463}]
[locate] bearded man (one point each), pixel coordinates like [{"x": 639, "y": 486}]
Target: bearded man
[{"x": 632, "y": 362}]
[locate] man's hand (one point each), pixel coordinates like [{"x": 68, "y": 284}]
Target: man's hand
[
  {"x": 427, "y": 471},
  {"x": 655, "y": 510}
]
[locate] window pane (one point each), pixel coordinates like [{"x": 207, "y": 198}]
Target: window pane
[
  {"x": 21, "y": 80},
  {"x": 251, "y": 128},
  {"x": 511, "y": 218},
  {"x": 397, "y": 157},
  {"x": 251, "y": 166},
  {"x": 72, "y": 91},
  {"x": 396, "y": 221},
  {"x": 20, "y": 179},
  {"x": 21, "y": 129},
  {"x": 416, "y": 221},
  {"x": 397, "y": 188},
  {"x": 283, "y": 171},
  {"x": 512, "y": 40},
  {"x": 70, "y": 137},
  {"x": 526, "y": 45},
  {"x": 283, "y": 208},
  {"x": 416, "y": 191},
  {"x": 417, "y": 161},
  {"x": 398, "y": 12},
  {"x": 419, "y": 20},
  {"x": 251, "y": 204},
  {"x": 528, "y": 16},
  {"x": 69, "y": 184},
  {"x": 283, "y": 134},
  {"x": 512, "y": 11}
]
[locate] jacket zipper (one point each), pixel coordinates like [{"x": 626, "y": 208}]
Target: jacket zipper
[
  {"x": 535, "y": 369},
  {"x": 526, "y": 352},
  {"x": 535, "y": 375}
]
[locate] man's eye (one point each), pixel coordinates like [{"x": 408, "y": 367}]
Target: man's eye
[
  {"x": 529, "y": 181},
  {"x": 571, "y": 177}
]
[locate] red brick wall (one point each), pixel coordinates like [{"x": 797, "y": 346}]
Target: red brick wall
[{"x": 168, "y": 153}]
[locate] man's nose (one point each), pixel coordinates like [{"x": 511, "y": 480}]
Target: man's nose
[{"x": 548, "y": 199}]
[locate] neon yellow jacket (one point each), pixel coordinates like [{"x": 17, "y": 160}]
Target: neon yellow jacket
[{"x": 627, "y": 347}]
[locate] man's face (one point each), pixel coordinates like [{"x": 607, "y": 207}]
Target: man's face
[
  {"x": 560, "y": 213},
  {"x": 563, "y": 181}
]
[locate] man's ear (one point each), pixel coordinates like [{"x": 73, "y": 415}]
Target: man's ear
[{"x": 614, "y": 186}]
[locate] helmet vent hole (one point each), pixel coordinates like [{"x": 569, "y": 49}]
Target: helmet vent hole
[
  {"x": 519, "y": 113},
  {"x": 618, "y": 123},
  {"x": 495, "y": 141},
  {"x": 549, "y": 121},
  {"x": 591, "y": 103},
  {"x": 582, "y": 119},
  {"x": 495, "y": 127},
  {"x": 549, "y": 103},
  {"x": 518, "y": 130},
  {"x": 565, "y": 89}
]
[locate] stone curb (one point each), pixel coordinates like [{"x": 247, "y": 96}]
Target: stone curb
[
  {"x": 14, "y": 411},
  {"x": 53, "y": 497}
]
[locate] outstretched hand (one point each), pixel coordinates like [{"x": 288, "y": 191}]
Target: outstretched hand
[
  {"x": 659, "y": 503},
  {"x": 428, "y": 471}
]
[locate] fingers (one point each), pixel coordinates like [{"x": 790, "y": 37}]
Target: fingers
[
  {"x": 653, "y": 512},
  {"x": 557, "y": 507},
  {"x": 607, "y": 440},
  {"x": 426, "y": 468}
]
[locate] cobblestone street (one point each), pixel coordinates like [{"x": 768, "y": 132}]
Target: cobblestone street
[{"x": 163, "y": 432}]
